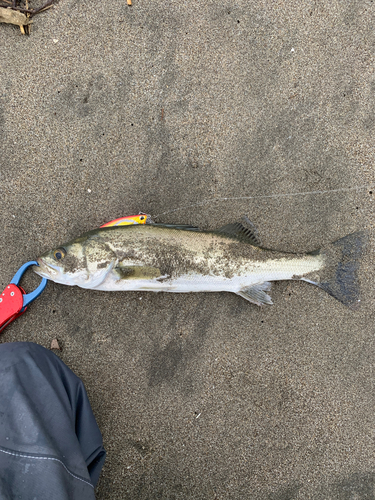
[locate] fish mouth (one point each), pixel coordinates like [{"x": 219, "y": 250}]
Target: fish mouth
[{"x": 44, "y": 270}]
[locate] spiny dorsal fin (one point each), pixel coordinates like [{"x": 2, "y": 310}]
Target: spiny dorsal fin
[
  {"x": 243, "y": 230},
  {"x": 183, "y": 227}
]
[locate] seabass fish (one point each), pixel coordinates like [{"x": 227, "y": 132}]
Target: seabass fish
[{"x": 177, "y": 258}]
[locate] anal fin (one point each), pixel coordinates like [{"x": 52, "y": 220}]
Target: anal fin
[{"x": 257, "y": 293}]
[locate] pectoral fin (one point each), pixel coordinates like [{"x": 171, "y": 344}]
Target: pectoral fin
[
  {"x": 137, "y": 272},
  {"x": 256, "y": 293}
]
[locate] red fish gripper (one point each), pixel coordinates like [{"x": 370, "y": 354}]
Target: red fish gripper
[{"x": 14, "y": 300}]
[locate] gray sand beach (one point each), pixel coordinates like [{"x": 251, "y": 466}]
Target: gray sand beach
[{"x": 198, "y": 113}]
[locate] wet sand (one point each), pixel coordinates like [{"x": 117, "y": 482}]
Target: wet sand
[{"x": 197, "y": 113}]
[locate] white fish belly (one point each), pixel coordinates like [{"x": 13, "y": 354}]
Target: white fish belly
[{"x": 258, "y": 272}]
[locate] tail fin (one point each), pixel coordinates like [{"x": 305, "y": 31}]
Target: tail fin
[{"x": 340, "y": 275}]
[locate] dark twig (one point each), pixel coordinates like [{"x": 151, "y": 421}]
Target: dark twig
[
  {"x": 13, "y": 4},
  {"x": 47, "y": 5},
  {"x": 32, "y": 12},
  {"x": 26, "y": 28},
  {"x": 25, "y": 11}
]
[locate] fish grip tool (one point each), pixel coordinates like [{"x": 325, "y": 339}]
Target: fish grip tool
[{"x": 14, "y": 300}]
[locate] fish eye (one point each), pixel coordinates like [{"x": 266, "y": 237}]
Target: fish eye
[
  {"x": 142, "y": 218},
  {"x": 59, "y": 253}
]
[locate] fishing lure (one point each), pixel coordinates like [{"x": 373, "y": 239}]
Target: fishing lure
[{"x": 129, "y": 220}]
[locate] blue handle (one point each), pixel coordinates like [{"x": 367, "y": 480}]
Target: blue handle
[{"x": 33, "y": 295}]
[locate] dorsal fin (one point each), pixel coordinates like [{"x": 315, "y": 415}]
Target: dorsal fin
[
  {"x": 183, "y": 227},
  {"x": 243, "y": 230}
]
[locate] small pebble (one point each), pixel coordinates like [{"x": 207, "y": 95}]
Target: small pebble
[{"x": 55, "y": 345}]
